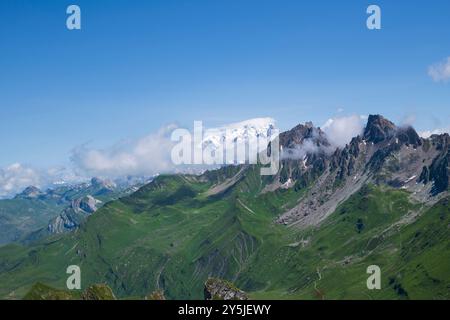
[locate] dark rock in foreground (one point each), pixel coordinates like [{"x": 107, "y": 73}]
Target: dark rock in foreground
[
  {"x": 156, "y": 295},
  {"x": 41, "y": 291},
  {"x": 98, "y": 292},
  {"x": 217, "y": 289}
]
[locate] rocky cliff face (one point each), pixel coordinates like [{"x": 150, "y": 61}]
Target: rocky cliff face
[
  {"x": 218, "y": 289},
  {"x": 156, "y": 295},
  {"x": 300, "y": 134},
  {"x": 98, "y": 292},
  {"x": 304, "y": 156},
  {"x": 383, "y": 154},
  {"x": 72, "y": 217},
  {"x": 378, "y": 129},
  {"x": 438, "y": 171}
]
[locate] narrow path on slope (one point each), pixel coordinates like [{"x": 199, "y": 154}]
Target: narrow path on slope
[{"x": 245, "y": 207}]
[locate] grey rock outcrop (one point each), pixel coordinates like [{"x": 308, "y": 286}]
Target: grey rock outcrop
[
  {"x": 73, "y": 216},
  {"x": 218, "y": 289}
]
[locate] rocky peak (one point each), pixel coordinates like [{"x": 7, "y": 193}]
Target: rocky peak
[
  {"x": 302, "y": 132},
  {"x": 30, "y": 192},
  {"x": 102, "y": 184},
  {"x": 378, "y": 129},
  {"x": 73, "y": 216},
  {"x": 408, "y": 136},
  {"x": 88, "y": 204}
]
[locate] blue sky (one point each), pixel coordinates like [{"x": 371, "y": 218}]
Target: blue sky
[{"x": 138, "y": 65}]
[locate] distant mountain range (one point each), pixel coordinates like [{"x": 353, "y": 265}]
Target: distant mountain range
[
  {"x": 24, "y": 216},
  {"x": 309, "y": 232}
]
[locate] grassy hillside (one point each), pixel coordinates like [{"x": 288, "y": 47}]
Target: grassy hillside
[
  {"x": 174, "y": 233},
  {"x": 20, "y": 216}
]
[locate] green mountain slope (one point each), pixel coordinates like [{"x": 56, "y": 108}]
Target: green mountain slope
[
  {"x": 179, "y": 230},
  {"x": 19, "y": 216}
]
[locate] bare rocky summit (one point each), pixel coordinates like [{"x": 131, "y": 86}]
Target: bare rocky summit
[{"x": 382, "y": 154}]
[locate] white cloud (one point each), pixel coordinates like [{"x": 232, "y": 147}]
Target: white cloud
[
  {"x": 428, "y": 133},
  {"x": 341, "y": 130},
  {"x": 145, "y": 156},
  {"x": 300, "y": 151},
  {"x": 152, "y": 154},
  {"x": 440, "y": 71},
  {"x": 16, "y": 177}
]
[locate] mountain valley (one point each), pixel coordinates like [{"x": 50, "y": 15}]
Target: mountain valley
[{"x": 309, "y": 232}]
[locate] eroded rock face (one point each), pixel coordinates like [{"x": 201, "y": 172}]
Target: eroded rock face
[
  {"x": 218, "y": 289},
  {"x": 304, "y": 152},
  {"x": 378, "y": 129},
  {"x": 156, "y": 295},
  {"x": 302, "y": 133},
  {"x": 98, "y": 292},
  {"x": 409, "y": 137},
  {"x": 73, "y": 216},
  {"x": 88, "y": 204},
  {"x": 384, "y": 154},
  {"x": 438, "y": 171}
]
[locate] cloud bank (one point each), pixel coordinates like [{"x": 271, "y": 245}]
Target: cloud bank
[
  {"x": 151, "y": 154},
  {"x": 16, "y": 177},
  {"x": 145, "y": 156}
]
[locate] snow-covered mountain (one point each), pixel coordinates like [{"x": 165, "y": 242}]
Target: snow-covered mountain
[{"x": 248, "y": 131}]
